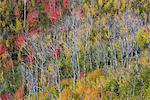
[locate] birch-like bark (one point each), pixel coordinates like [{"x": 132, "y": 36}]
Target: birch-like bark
[
  {"x": 78, "y": 65},
  {"x": 35, "y": 70},
  {"x": 73, "y": 57},
  {"x": 42, "y": 65}
]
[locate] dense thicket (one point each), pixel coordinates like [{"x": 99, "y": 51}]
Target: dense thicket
[{"x": 75, "y": 49}]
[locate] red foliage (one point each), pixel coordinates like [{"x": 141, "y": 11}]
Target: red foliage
[
  {"x": 81, "y": 13},
  {"x": 49, "y": 6},
  {"x": 30, "y": 57},
  {"x": 65, "y": 3},
  {"x": 51, "y": 9},
  {"x": 7, "y": 96},
  {"x": 55, "y": 15},
  {"x": 58, "y": 11},
  {"x": 17, "y": 12},
  {"x": 46, "y": 8},
  {"x": 33, "y": 17},
  {"x": 9, "y": 62},
  {"x": 3, "y": 49},
  {"x": 34, "y": 33},
  {"x": 20, "y": 40},
  {"x": 56, "y": 53}
]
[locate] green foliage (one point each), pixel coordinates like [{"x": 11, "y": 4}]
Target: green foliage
[
  {"x": 143, "y": 38},
  {"x": 12, "y": 80},
  {"x": 99, "y": 27},
  {"x": 113, "y": 86}
]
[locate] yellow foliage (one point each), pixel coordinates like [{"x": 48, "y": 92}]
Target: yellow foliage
[
  {"x": 94, "y": 74},
  {"x": 123, "y": 5},
  {"x": 102, "y": 81},
  {"x": 86, "y": 8},
  {"x": 97, "y": 39},
  {"x": 116, "y": 4},
  {"x": 143, "y": 37},
  {"x": 100, "y": 2},
  {"x": 4, "y": 56},
  {"x": 7, "y": 13},
  {"x": 103, "y": 20},
  {"x": 65, "y": 82},
  {"x": 50, "y": 68},
  {"x": 3, "y": 23},
  {"x": 107, "y": 5},
  {"x": 33, "y": 2},
  {"x": 66, "y": 94},
  {"x": 3, "y": 6},
  {"x": 1, "y": 76},
  {"x": 80, "y": 87},
  {"x": 93, "y": 11},
  {"x": 144, "y": 60},
  {"x": 48, "y": 39},
  {"x": 41, "y": 96},
  {"x": 92, "y": 93},
  {"x": 18, "y": 25}
]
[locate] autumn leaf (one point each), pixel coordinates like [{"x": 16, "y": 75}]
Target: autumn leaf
[
  {"x": 3, "y": 49},
  {"x": 56, "y": 53},
  {"x": 20, "y": 41},
  {"x": 65, "y": 3},
  {"x": 17, "y": 12},
  {"x": 49, "y": 6},
  {"x": 19, "y": 93},
  {"x": 6, "y": 96},
  {"x": 9, "y": 65},
  {"x": 52, "y": 10},
  {"x": 34, "y": 33},
  {"x": 54, "y": 16},
  {"x": 33, "y": 17}
]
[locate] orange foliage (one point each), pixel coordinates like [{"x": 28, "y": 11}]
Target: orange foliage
[
  {"x": 9, "y": 65},
  {"x": 20, "y": 40},
  {"x": 66, "y": 94},
  {"x": 92, "y": 93},
  {"x": 94, "y": 74},
  {"x": 19, "y": 93}
]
